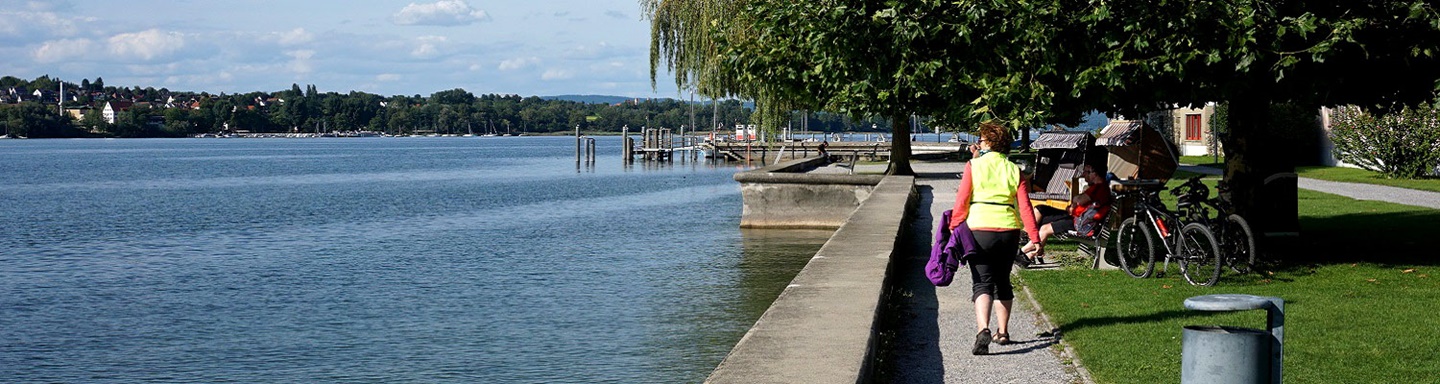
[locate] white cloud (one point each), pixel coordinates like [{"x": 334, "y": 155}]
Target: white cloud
[
  {"x": 617, "y": 15},
  {"x": 427, "y": 46},
  {"x": 38, "y": 23},
  {"x": 518, "y": 63},
  {"x": 53, "y": 51},
  {"x": 301, "y": 61},
  {"x": 444, "y": 12},
  {"x": 556, "y": 74},
  {"x": 598, "y": 50},
  {"x": 146, "y": 45},
  {"x": 387, "y": 77},
  {"x": 295, "y": 36}
]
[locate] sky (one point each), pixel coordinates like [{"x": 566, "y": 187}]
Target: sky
[{"x": 529, "y": 48}]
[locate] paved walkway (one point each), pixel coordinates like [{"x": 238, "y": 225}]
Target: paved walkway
[
  {"x": 1356, "y": 191},
  {"x": 933, "y": 346}
]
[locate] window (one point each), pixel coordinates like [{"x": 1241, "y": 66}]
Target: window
[{"x": 1192, "y": 127}]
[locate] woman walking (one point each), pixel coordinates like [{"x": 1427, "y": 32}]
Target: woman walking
[{"x": 992, "y": 199}]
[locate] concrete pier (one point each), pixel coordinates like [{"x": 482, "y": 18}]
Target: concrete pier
[{"x": 822, "y": 328}]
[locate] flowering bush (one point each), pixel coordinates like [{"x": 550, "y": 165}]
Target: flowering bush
[{"x": 1401, "y": 144}]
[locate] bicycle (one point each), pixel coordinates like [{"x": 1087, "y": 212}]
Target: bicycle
[
  {"x": 1193, "y": 246},
  {"x": 1237, "y": 241}
]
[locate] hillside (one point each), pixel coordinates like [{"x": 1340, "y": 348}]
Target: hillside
[{"x": 588, "y": 99}]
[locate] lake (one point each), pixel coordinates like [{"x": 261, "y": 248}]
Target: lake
[{"x": 449, "y": 259}]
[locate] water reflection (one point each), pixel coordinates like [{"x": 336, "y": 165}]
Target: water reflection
[{"x": 770, "y": 260}]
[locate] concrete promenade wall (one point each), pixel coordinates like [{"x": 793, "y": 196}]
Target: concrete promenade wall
[
  {"x": 783, "y": 196},
  {"x": 822, "y": 327}
]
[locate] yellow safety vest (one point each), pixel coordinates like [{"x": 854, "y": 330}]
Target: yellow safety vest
[{"x": 993, "y": 182}]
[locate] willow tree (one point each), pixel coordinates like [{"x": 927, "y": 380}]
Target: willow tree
[{"x": 849, "y": 56}]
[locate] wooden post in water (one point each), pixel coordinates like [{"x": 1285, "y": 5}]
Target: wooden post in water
[
  {"x": 624, "y": 141},
  {"x": 591, "y": 148}
]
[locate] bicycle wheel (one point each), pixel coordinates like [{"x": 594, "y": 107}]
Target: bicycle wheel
[
  {"x": 1199, "y": 254},
  {"x": 1238, "y": 243},
  {"x": 1135, "y": 248}
]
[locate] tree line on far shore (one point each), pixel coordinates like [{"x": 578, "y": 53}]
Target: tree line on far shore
[{"x": 29, "y": 108}]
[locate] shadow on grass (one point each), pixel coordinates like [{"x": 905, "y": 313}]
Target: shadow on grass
[
  {"x": 1381, "y": 237},
  {"x": 1194, "y": 317},
  {"x": 1115, "y": 320}
]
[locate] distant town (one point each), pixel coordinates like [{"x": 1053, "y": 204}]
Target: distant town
[{"x": 47, "y": 107}]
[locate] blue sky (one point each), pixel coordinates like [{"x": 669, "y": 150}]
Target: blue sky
[{"x": 535, "y": 47}]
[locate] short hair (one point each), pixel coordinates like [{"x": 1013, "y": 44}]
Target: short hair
[
  {"x": 1099, "y": 165},
  {"x": 997, "y": 135}
]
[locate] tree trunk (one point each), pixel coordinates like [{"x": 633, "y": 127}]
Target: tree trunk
[
  {"x": 1260, "y": 168},
  {"x": 899, "y": 146}
]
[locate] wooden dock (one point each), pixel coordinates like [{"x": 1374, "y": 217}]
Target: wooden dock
[
  {"x": 660, "y": 144},
  {"x": 851, "y": 150}
]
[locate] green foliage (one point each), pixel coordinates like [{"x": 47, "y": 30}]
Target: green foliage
[
  {"x": 1400, "y": 144},
  {"x": 307, "y": 110},
  {"x": 30, "y": 119}
]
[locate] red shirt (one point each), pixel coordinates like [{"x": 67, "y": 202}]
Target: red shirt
[{"x": 1099, "y": 196}]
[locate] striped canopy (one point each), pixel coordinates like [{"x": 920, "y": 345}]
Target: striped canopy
[{"x": 1061, "y": 140}]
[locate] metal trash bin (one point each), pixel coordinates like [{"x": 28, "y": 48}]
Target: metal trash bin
[{"x": 1219, "y": 354}]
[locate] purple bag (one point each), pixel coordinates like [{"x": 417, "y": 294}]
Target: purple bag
[{"x": 950, "y": 251}]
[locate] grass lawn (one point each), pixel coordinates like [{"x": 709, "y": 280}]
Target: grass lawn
[
  {"x": 1208, "y": 161},
  {"x": 1354, "y": 175},
  {"x": 1343, "y": 174},
  {"x": 1358, "y": 305}
]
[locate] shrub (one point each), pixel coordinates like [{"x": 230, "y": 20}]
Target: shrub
[{"x": 1399, "y": 144}]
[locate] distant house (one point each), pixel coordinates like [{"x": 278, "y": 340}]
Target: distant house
[
  {"x": 78, "y": 112},
  {"x": 114, "y": 107},
  {"x": 1189, "y": 129},
  {"x": 1193, "y": 135}
]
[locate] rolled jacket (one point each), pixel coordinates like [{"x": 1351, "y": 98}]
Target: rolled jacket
[{"x": 951, "y": 250}]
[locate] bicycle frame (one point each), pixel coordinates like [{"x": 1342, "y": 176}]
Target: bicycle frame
[{"x": 1148, "y": 205}]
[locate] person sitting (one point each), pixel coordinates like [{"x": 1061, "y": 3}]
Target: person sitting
[{"x": 1094, "y": 203}]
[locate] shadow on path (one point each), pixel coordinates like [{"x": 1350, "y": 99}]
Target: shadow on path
[{"x": 910, "y": 333}]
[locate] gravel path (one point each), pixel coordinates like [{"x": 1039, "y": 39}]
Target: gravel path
[{"x": 1356, "y": 191}]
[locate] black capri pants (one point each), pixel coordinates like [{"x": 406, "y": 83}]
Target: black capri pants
[{"x": 990, "y": 268}]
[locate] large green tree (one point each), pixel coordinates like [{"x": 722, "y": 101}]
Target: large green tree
[
  {"x": 1133, "y": 56},
  {"x": 1032, "y": 61}
]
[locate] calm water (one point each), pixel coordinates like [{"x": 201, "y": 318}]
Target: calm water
[{"x": 373, "y": 260}]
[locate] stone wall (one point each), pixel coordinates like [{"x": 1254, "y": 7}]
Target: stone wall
[{"x": 783, "y": 196}]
